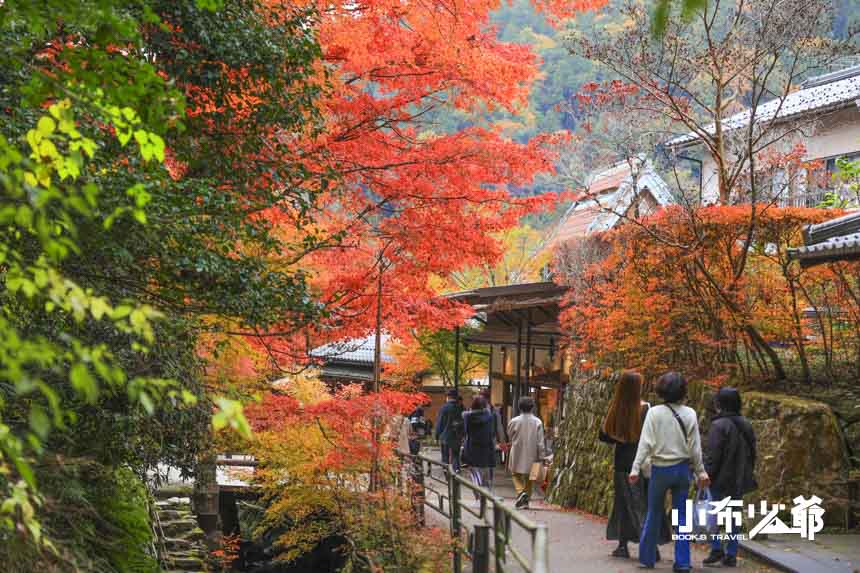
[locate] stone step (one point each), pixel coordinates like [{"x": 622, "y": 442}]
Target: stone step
[
  {"x": 172, "y": 514},
  {"x": 187, "y": 563},
  {"x": 177, "y": 543},
  {"x": 193, "y": 535},
  {"x": 192, "y": 553},
  {"x": 173, "y": 501},
  {"x": 175, "y": 527},
  {"x": 173, "y": 506}
]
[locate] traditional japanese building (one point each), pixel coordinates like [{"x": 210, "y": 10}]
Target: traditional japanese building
[
  {"x": 613, "y": 195},
  {"x": 834, "y": 240},
  {"x": 521, "y": 322},
  {"x": 520, "y": 329},
  {"x": 822, "y": 116}
]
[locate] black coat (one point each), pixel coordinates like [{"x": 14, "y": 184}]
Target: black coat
[
  {"x": 449, "y": 424},
  {"x": 731, "y": 455},
  {"x": 480, "y": 447}
]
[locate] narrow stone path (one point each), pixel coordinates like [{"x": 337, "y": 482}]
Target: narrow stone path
[{"x": 182, "y": 539}]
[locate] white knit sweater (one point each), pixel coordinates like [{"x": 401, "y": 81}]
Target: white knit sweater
[{"x": 663, "y": 441}]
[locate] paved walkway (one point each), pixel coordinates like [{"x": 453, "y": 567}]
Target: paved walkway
[
  {"x": 828, "y": 553},
  {"x": 578, "y": 541}
]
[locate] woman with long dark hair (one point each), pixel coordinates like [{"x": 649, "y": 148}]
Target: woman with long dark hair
[{"x": 622, "y": 427}]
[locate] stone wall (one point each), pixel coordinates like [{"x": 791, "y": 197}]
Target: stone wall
[
  {"x": 801, "y": 448},
  {"x": 582, "y": 465}
]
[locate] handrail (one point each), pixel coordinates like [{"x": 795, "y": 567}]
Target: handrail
[{"x": 492, "y": 515}]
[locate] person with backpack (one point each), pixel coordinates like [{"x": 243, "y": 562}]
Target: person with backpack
[
  {"x": 499, "y": 434},
  {"x": 417, "y": 430},
  {"x": 730, "y": 461},
  {"x": 670, "y": 438},
  {"x": 449, "y": 429},
  {"x": 479, "y": 449}
]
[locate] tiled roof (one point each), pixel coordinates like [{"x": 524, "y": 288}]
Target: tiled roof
[
  {"x": 356, "y": 350},
  {"x": 817, "y": 95},
  {"x": 824, "y": 244},
  {"x": 840, "y": 247},
  {"x": 601, "y": 211},
  {"x": 624, "y": 197}
]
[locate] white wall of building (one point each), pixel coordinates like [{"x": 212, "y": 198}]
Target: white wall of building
[{"x": 835, "y": 135}]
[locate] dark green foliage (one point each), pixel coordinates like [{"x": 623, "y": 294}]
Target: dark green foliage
[
  {"x": 114, "y": 270},
  {"x": 97, "y": 520}
]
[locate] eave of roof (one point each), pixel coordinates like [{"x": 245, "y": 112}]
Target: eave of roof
[
  {"x": 835, "y": 239},
  {"x": 837, "y": 248},
  {"x": 488, "y": 295},
  {"x": 844, "y": 225},
  {"x": 818, "y": 97},
  {"x": 346, "y": 373}
]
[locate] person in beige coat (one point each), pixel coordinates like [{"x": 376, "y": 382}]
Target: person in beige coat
[{"x": 527, "y": 447}]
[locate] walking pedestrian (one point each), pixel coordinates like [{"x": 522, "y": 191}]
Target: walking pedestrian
[
  {"x": 670, "y": 438},
  {"x": 479, "y": 449},
  {"x": 621, "y": 428},
  {"x": 499, "y": 434},
  {"x": 730, "y": 462},
  {"x": 500, "y": 437},
  {"x": 449, "y": 429},
  {"x": 417, "y": 430},
  {"x": 527, "y": 447}
]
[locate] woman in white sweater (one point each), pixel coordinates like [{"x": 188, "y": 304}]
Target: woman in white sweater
[{"x": 670, "y": 439}]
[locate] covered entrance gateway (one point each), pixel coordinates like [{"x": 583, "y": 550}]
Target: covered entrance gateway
[{"x": 520, "y": 326}]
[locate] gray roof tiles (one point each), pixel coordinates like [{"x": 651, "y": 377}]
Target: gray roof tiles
[
  {"x": 822, "y": 245},
  {"x": 819, "y": 97},
  {"x": 356, "y": 350}
]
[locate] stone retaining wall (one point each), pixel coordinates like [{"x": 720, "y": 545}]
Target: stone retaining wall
[{"x": 801, "y": 448}]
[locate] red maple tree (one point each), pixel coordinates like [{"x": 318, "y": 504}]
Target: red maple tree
[{"x": 413, "y": 202}]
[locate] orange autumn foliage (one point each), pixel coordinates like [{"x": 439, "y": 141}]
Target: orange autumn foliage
[
  {"x": 318, "y": 458},
  {"x": 668, "y": 295}
]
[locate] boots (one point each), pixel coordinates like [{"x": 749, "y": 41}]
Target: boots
[
  {"x": 716, "y": 556},
  {"x": 621, "y": 551}
]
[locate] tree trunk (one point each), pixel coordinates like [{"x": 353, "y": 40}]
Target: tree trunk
[{"x": 771, "y": 354}]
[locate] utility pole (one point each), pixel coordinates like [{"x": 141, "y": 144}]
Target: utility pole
[
  {"x": 457, "y": 359},
  {"x": 377, "y": 347}
]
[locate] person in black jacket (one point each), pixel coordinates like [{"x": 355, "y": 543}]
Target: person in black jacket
[
  {"x": 730, "y": 462},
  {"x": 479, "y": 451},
  {"x": 449, "y": 429}
]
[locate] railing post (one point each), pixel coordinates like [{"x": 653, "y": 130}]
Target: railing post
[
  {"x": 481, "y": 549},
  {"x": 456, "y": 520},
  {"x": 501, "y": 540},
  {"x": 540, "y": 550},
  {"x": 417, "y": 491}
]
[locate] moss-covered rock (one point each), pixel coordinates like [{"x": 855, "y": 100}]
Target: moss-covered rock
[
  {"x": 801, "y": 451},
  {"x": 801, "y": 448}
]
